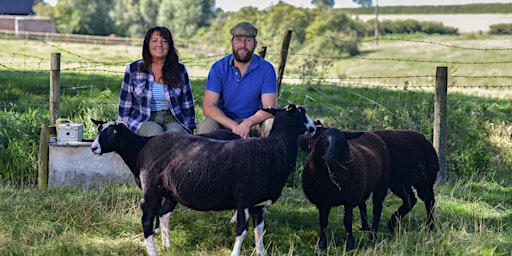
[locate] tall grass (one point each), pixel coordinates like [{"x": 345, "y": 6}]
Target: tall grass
[{"x": 473, "y": 218}]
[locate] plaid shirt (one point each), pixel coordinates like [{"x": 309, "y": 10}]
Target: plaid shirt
[{"x": 135, "y": 99}]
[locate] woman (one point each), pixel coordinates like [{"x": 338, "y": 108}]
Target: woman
[{"x": 156, "y": 95}]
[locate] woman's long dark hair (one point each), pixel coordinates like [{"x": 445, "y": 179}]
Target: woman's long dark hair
[{"x": 171, "y": 70}]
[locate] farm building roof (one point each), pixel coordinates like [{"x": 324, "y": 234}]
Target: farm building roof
[{"x": 17, "y": 7}]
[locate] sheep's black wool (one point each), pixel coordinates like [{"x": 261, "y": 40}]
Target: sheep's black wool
[
  {"x": 414, "y": 163},
  {"x": 344, "y": 168},
  {"x": 128, "y": 145},
  {"x": 207, "y": 174}
]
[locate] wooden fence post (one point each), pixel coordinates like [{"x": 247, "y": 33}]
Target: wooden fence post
[
  {"x": 48, "y": 131},
  {"x": 284, "y": 56},
  {"x": 263, "y": 51},
  {"x": 43, "y": 156},
  {"x": 440, "y": 120},
  {"x": 55, "y": 88}
]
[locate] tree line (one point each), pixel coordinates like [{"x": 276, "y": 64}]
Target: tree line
[
  {"x": 498, "y": 8},
  {"x": 323, "y": 30}
]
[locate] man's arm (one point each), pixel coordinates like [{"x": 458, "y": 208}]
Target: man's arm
[
  {"x": 268, "y": 100},
  {"x": 211, "y": 110}
]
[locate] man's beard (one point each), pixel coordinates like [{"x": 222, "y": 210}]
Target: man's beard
[{"x": 245, "y": 59}]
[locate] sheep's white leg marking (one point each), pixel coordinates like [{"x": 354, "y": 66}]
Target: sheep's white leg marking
[
  {"x": 164, "y": 227},
  {"x": 246, "y": 211},
  {"x": 238, "y": 244},
  {"x": 233, "y": 219},
  {"x": 258, "y": 237},
  {"x": 265, "y": 203},
  {"x": 265, "y": 211},
  {"x": 150, "y": 246}
]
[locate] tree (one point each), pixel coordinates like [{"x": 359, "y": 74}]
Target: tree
[
  {"x": 363, "y": 3},
  {"x": 127, "y": 17},
  {"x": 323, "y": 3},
  {"x": 186, "y": 16},
  {"x": 42, "y": 9},
  {"x": 83, "y": 17}
]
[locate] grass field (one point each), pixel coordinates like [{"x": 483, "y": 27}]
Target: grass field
[{"x": 389, "y": 86}]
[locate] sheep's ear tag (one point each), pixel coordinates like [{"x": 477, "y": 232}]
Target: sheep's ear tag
[
  {"x": 290, "y": 107},
  {"x": 114, "y": 131}
]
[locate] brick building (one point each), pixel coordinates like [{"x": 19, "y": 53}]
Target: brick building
[{"x": 14, "y": 16}]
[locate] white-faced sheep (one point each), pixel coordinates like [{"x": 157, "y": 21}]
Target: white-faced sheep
[
  {"x": 414, "y": 163},
  {"x": 206, "y": 174},
  {"x": 344, "y": 168}
]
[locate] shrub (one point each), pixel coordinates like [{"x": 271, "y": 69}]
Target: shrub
[{"x": 501, "y": 29}]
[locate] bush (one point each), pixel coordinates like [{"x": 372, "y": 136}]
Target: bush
[
  {"x": 501, "y": 29},
  {"x": 410, "y": 26}
]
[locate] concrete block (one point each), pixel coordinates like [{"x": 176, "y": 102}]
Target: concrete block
[{"x": 74, "y": 165}]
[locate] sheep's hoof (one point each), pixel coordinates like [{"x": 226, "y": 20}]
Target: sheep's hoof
[
  {"x": 392, "y": 223},
  {"x": 373, "y": 236},
  {"x": 351, "y": 245},
  {"x": 321, "y": 246}
]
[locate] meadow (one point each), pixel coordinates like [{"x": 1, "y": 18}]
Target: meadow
[{"x": 390, "y": 85}]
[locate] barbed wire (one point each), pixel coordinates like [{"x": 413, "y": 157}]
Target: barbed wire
[
  {"x": 91, "y": 65},
  {"x": 442, "y": 44}
]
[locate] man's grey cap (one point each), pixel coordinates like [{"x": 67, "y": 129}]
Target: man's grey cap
[{"x": 244, "y": 29}]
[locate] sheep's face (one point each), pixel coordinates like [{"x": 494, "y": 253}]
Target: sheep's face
[
  {"x": 306, "y": 141},
  {"x": 292, "y": 116},
  {"x": 332, "y": 144},
  {"x": 106, "y": 137},
  {"x": 335, "y": 145}
]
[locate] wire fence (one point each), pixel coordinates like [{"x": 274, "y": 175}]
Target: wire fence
[{"x": 485, "y": 83}]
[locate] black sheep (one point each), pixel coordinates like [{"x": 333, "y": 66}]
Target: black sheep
[
  {"x": 344, "y": 168},
  {"x": 414, "y": 163},
  {"x": 206, "y": 174},
  {"x": 128, "y": 145}
]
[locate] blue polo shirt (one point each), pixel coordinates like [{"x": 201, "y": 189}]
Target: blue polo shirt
[{"x": 240, "y": 97}]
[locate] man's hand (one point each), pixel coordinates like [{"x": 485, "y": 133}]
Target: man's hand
[{"x": 243, "y": 129}]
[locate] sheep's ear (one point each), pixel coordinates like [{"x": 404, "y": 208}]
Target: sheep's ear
[
  {"x": 319, "y": 124},
  {"x": 96, "y": 122},
  {"x": 290, "y": 107},
  {"x": 270, "y": 110}
]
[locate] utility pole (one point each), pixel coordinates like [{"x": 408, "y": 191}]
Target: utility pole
[{"x": 376, "y": 24}]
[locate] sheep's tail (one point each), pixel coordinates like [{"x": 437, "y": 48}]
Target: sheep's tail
[{"x": 432, "y": 164}]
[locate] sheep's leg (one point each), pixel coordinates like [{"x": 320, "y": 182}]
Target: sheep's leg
[
  {"x": 157, "y": 221},
  {"x": 364, "y": 217},
  {"x": 378, "y": 196},
  {"x": 165, "y": 214},
  {"x": 259, "y": 227},
  {"x": 241, "y": 232},
  {"x": 426, "y": 193},
  {"x": 323, "y": 215},
  {"x": 408, "y": 202},
  {"x": 347, "y": 222},
  {"x": 151, "y": 209}
]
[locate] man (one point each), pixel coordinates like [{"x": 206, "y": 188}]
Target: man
[{"x": 238, "y": 86}]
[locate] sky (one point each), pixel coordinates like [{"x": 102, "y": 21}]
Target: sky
[{"x": 235, "y": 5}]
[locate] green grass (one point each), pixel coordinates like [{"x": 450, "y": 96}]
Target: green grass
[
  {"x": 473, "y": 218},
  {"x": 389, "y": 86}
]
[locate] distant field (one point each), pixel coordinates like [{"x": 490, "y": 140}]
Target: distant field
[{"x": 466, "y": 23}]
